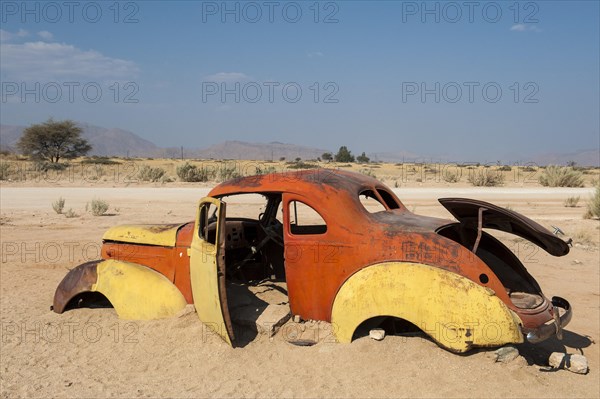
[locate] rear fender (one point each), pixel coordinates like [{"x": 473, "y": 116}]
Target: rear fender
[
  {"x": 135, "y": 291},
  {"x": 454, "y": 311}
]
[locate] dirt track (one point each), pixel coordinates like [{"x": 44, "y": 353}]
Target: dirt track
[{"x": 91, "y": 353}]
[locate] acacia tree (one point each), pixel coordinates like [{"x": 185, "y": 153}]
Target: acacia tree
[
  {"x": 51, "y": 141},
  {"x": 344, "y": 155},
  {"x": 327, "y": 156},
  {"x": 363, "y": 158}
]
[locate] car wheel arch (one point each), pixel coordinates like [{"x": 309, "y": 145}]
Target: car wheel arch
[
  {"x": 467, "y": 315},
  {"x": 135, "y": 291}
]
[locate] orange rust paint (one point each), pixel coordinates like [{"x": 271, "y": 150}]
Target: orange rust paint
[{"x": 173, "y": 263}]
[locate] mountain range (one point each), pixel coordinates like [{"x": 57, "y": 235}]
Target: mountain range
[{"x": 123, "y": 143}]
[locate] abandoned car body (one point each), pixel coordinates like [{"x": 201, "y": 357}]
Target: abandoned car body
[{"x": 344, "y": 262}]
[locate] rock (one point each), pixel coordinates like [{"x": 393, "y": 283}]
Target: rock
[
  {"x": 265, "y": 320},
  {"x": 506, "y": 354},
  {"x": 578, "y": 364},
  {"x": 377, "y": 334},
  {"x": 273, "y": 317},
  {"x": 574, "y": 363},
  {"x": 556, "y": 359}
]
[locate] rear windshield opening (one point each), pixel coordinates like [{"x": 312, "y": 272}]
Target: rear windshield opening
[{"x": 377, "y": 200}]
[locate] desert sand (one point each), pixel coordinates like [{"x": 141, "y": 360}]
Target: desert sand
[{"x": 92, "y": 353}]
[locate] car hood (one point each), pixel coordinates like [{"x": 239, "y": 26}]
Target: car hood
[
  {"x": 466, "y": 211},
  {"x": 164, "y": 235}
]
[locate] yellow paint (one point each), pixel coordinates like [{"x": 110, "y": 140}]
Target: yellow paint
[
  {"x": 138, "y": 292},
  {"x": 151, "y": 234},
  {"x": 205, "y": 277},
  {"x": 453, "y": 310}
]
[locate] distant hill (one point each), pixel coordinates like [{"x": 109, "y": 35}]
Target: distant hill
[
  {"x": 104, "y": 141},
  {"x": 119, "y": 142},
  {"x": 259, "y": 151},
  {"x": 582, "y": 157}
]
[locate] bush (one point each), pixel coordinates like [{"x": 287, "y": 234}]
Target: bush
[
  {"x": 100, "y": 160},
  {"x": 59, "y": 205},
  {"x": 450, "y": 177},
  {"x": 227, "y": 173},
  {"x": 71, "y": 213},
  {"x": 571, "y": 202},
  {"x": 4, "y": 171},
  {"x": 148, "y": 173},
  {"x": 265, "y": 171},
  {"x": 301, "y": 165},
  {"x": 368, "y": 172},
  {"x": 486, "y": 178},
  {"x": 46, "y": 166},
  {"x": 561, "y": 176},
  {"x": 99, "y": 207},
  {"x": 191, "y": 173},
  {"x": 505, "y": 168},
  {"x": 593, "y": 206}
]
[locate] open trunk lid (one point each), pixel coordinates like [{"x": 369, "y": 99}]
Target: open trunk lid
[{"x": 466, "y": 211}]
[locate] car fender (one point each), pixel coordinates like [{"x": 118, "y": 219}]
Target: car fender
[
  {"x": 135, "y": 291},
  {"x": 454, "y": 311}
]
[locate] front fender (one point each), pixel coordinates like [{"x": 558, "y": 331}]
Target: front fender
[
  {"x": 454, "y": 311},
  {"x": 135, "y": 291}
]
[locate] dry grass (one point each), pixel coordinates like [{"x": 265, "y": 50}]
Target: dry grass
[
  {"x": 561, "y": 176},
  {"x": 138, "y": 171},
  {"x": 571, "y": 202}
]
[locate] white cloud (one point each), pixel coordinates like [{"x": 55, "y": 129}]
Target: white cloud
[
  {"x": 523, "y": 28},
  {"x": 315, "y": 54},
  {"x": 37, "y": 61},
  {"x": 45, "y": 35},
  {"x": 6, "y": 36},
  {"x": 226, "y": 77}
]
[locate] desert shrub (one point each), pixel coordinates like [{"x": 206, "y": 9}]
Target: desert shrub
[
  {"x": 505, "y": 168},
  {"x": 100, "y": 160},
  {"x": 148, "y": 173},
  {"x": 265, "y": 171},
  {"x": 59, "y": 205},
  {"x": 227, "y": 172},
  {"x": 45, "y": 166},
  {"x": 450, "y": 177},
  {"x": 301, "y": 165},
  {"x": 561, "y": 176},
  {"x": 191, "y": 173},
  {"x": 368, "y": 172},
  {"x": 571, "y": 202},
  {"x": 99, "y": 207},
  {"x": 485, "y": 178},
  {"x": 528, "y": 169},
  {"x": 71, "y": 213},
  {"x": 4, "y": 171},
  {"x": 593, "y": 206}
]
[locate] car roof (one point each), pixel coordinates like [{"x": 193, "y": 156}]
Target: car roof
[{"x": 304, "y": 183}]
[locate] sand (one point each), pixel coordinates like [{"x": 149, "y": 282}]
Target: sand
[{"x": 92, "y": 353}]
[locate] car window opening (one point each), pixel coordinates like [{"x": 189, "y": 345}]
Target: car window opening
[{"x": 304, "y": 220}]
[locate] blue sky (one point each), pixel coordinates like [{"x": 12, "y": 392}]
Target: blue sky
[{"x": 502, "y": 80}]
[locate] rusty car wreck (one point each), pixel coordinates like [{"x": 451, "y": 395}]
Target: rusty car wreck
[{"x": 342, "y": 262}]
